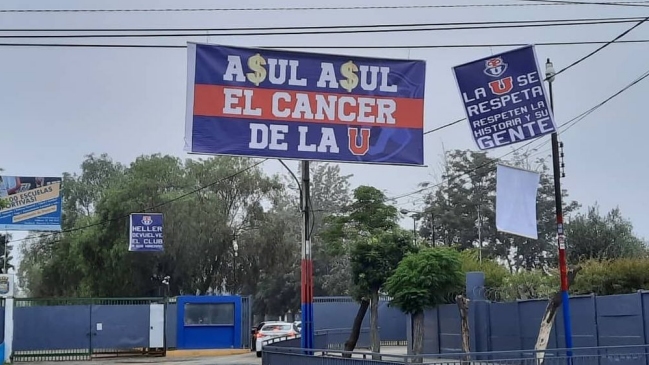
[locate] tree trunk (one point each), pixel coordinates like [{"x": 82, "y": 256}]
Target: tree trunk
[
  {"x": 548, "y": 318},
  {"x": 418, "y": 336},
  {"x": 374, "y": 325},
  {"x": 463, "y": 306},
  {"x": 350, "y": 344}
]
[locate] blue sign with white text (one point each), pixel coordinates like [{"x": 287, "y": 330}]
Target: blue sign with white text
[
  {"x": 257, "y": 102},
  {"x": 145, "y": 232},
  {"x": 504, "y": 98}
]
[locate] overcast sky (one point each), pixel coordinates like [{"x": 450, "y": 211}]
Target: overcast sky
[{"x": 58, "y": 104}]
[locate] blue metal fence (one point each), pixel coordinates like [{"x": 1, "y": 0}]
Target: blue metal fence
[
  {"x": 613, "y": 320},
  {"x": 339, "y": 312},
  {"x": 618, "y": 355}
]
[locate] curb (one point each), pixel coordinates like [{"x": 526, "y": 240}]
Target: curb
[{"x": 206, "y": 353}]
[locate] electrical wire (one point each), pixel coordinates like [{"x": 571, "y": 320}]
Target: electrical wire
[
  {"x": 567, "y": 125},
  {"x": 154, "y": 207},
  {"x": 320, "y": 8},
  {"x": 401, "y": 46},
  {"x": 601, "y": 48},
  {"x": 444, "y": 126},
  {"x": 616, "y": 3},
  {"x": 303, "y": 31}
]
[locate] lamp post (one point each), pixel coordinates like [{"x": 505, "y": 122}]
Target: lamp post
[
  {"x": 563, "y": 267},
  {"x": 415, "y": 216},
  {"x": 235, "y": 248}
]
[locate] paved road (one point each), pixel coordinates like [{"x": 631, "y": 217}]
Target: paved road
[{"x": 245, "y": 359}]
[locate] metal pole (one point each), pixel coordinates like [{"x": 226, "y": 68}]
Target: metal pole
[
  {"x": 432, "y": 225},
  {"x": 479, "y": 236},
  {"x": 563, "y": 267},
  {"x": 414, "y": 229},
  {"x": 308, "y": 335},
  {"x": 4, "y": 269}
]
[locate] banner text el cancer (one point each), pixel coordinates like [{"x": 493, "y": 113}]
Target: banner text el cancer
[{"x": 308, "y": 106}]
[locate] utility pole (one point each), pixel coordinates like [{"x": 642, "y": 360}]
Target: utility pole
[
  {"x": 563, "y": 266},
  {"x": 308, "y": 334},
  {"x": 432, "y": 226}
]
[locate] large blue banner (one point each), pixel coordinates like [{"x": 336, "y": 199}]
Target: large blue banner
[
  {"x": 145, "y": 232},
  {"x": 504, "y": 98},
  {"x": 296, "y": 105},
  {"x": 31, "y": 203}
]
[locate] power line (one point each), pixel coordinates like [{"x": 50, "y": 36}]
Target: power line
[
  {"x": 194, "y": 191},
  {"x": 602, "y": 47},
  {"x": 585, "y": 114},
  {"x": 616, "y": 3},
  {"x": 567, "y": 125},
  {"x": 324, "y": 29},
  {"x": 336, "y": 8},
  {"x": 444, "y": 126},
  {"x": 399, "y": 46}
]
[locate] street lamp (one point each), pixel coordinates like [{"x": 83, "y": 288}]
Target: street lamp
[
  {"x": 235, "y": 248},
  {"x": 556, "y": 167},
  {"x": 417, "y": 215},
  {"x": 414, "y": 223}
]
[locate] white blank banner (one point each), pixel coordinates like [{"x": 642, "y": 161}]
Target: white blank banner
[{"x": 516, "y": 191}]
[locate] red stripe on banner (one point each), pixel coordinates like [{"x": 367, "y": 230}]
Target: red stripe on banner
[{"x": 305, "y": 106}]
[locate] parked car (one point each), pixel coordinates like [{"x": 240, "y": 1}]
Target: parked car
[
  {"x": 253, "y": 333},
  {"x": 272, "y": 330}
]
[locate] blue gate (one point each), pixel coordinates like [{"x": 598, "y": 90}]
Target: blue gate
[{"x": 80, "y": 329}]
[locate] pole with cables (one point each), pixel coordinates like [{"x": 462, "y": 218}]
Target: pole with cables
[
  {"x": 563, "y": 266},
  {"x": 307, "y": 264}
]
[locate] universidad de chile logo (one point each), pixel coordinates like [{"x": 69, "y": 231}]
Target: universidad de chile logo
[
  {"x": 146, "y": 220},
  {"x": 495, "y": 67}
]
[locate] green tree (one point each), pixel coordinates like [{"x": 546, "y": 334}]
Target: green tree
[
  {"x": 422, "y": 281},
  {"x": 366, "y": 217},
  {"x": 206, "y": 205},
  {"x": 373, "y": 260},
  {"x": 593, "y": 236}
]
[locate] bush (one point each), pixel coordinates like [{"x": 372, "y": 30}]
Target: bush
[
  {"x": 495, "y": 274},
  {"x": 533, "y": 284},
  {"x": 620, "y": 276}
]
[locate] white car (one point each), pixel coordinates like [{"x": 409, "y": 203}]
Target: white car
[{"x": 272, "y": 330}]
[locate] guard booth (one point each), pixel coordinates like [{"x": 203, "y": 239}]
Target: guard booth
[{"x": 209, "y": 322}]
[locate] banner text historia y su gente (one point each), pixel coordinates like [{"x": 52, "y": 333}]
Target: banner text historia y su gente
[{"x": 269, "y": 103}]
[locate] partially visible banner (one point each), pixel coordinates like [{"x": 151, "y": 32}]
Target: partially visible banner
[
  {"x": 516, "y": 191},
  {"x": 34, "y": 203},
  {"x": 145, "y": 232},
  {"x": 284, "y": 104},
  {"x": 504, "y": 98}
]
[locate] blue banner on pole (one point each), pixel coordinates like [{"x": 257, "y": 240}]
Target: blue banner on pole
[
  {"x": 308, "y": 106},
  {"x": 31, "y": 203},
  {"x": 145, "y": 232},
  {"x": 504, "y": 98}
]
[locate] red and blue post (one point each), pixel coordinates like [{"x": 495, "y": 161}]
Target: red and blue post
[{"x": 308, "y": 330}]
